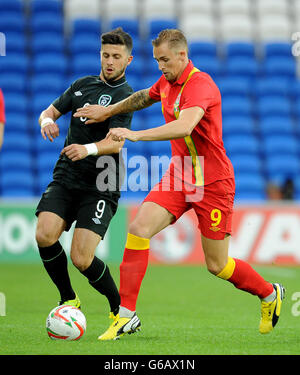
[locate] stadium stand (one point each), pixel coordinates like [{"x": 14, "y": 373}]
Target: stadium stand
[{"x": 245, "y": 45}]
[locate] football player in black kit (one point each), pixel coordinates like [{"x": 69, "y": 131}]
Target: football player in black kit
[{"x": 74, "y": 194}]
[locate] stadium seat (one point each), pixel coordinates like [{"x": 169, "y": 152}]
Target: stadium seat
[
  {"x": 245, "y": 67},
  {"x": 46, "y": 160},
  {"x": 282, "y": 166},
  {"x": 16, "y": 122},
  {"x": 16, "y": 160},
  {"x": 273, "y": 105},
  {"x": 280, "y": 145},
  {"x": 16, "y": 6},
  {"x": 238, "y": 125},
  {"x": 49, "y": 63},
  {"x": 49, "y": 6},
  {"x": 51, "y": 84},
  {"x": 242, "y": 145},
  {"x": 120, "y": 8},
  {"x": 45, "y": 146},
  {"x": 77, "y": 8},
  {"x": 192, "y": 7},
  {"x": 197, "y": 49},
  {"x": 157, "y": 24},
  {"x": 47, "y": 42},
  {"x": 250, "y": 186},
  {"x": 17, "y": 141},
  {"x": 137, "y": 67},
  {"x": 274, "y": 28},
  {"x": 85, "y": 26},
  {"x": 211, "y": 65},
  {"x": 272, "y": 125},
  {"x": 234, "y": 7},
  {"x": 46, "y": 22},
  {"x": 266, "y": 7},
  {"x": 14, "y": 63},
  {"x": 280, "y": 67},
  {"x": 13, "y": 83},
  {"x": 234, "y": 86},
  {"x": 17, "y": 180},
  {"x": 247, "y": 163},
  {"x": 198, "y": 27},
  {"x": 159, "y": 9},
  {"x": 15, "y": 43},
  {"x": 17, "y": 192},
  {"x": 16, "y": 103},
  {"x": 280, "y": 49},
  {"x": 238, "y": 105},
  {"x": 85, "y": 64},
  {"x": 268, "y": 86},
  {"x": 159, "y": 148},
  {"x": 84, "y": 44},
  {"x": 236, "y": 27},
  {"x": 239, "y": 49},
  {"x": 41, "y": 101},
  {"x": 129, "y": 25},
  {"x": 13, "y": 22}
]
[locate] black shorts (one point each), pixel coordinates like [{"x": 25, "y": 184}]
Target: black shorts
[{"x": 92, "y": 210}]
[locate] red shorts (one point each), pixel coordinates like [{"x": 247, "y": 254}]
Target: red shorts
[{"x": 213, "y": 204}]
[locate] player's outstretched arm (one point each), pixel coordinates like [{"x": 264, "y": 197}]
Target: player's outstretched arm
[
  {"x": 47, "y": 122},
  {"x": 97, "y": 113}
]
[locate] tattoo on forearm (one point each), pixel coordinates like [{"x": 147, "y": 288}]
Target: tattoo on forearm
[{"x": 135, "y": 102}]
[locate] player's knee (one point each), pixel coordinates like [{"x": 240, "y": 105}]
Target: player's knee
[
  {"x": 214, "y": 267},
  {"x": 139, "y": 229},
  {"x": 44, "y": 237},
  {"x": 80, "y": 261}
]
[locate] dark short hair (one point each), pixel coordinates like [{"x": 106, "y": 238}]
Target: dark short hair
[{"x": 117, "y": 36}]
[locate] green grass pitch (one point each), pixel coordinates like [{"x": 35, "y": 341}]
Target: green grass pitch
[{"x": 184, "y": 311}]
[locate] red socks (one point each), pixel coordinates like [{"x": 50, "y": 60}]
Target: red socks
[
  {"x": 244, "y": 277},
  {"x": 133, "y": 269}
]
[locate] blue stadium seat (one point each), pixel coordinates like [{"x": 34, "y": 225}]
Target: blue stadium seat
[
  {"x": 279, "y": 49},
  {"x": 241, "y": 144},
  {"x": 137, "y": 66},
  {"x": 239, "y": 49},
  {"x": 42, "y": 145},
  {"x": 15, "y": 6},
  {"x": 46, "y": 6},
  {"x": 17, "y": 192},
  {"x": 15, "y": 159},
  {"x": 237, "y": 105},
  {"x": 13, "y": 83},
  {"x": 160, "y": 148},
  {"x": 46, "y": 160},
  {"x": 246, "y": 67},
  {"x": 40, "y": 102},
  {"x": 44, "y": 83},
  {"x": 234, "y": 86},
  {"x": 246, "y": 163},
  {"x": 156, "y": 25},
  {"x": 250, "y": 186},
  {"x": 17, "y": 180},
  {"x": 238, "y": 125},
  {"x": 270, "y": 86},
  {"x": 198, "y": 48},
  {"x": 14, "y": 63},
  {"x": 86, "y": 26},
  {"x": 129, "y": 25},
  {"x": 280, "y": 67},
  {"x": 271, "y": 125},
  {"x": 273, "y": 105},
  {"x": 50, "y": 63},
  {"x": 16, "y": 122},
  {"x": 84, "y": 44},
  {"x": 15, "y": 43},
  {"x": 85, "y": 64},
  {"x": 16, "y": 103},
  {"x": 46, "y": 22},
  {"x": 210, "y": 65},
  {"x": 17, "y": 141},
  {"x": 280, "y": 144},
  {"x": 43, "y": 180},
  {"x": 282, "y": 166},
  {"x": 47, "y": 42},
  {"x": 13, "y": 22}
]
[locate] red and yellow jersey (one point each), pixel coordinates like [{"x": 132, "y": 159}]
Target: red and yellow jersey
[{"x": 196, "y": 89}]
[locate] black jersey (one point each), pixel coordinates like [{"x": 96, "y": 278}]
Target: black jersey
[{"x": 82, "y": 174}]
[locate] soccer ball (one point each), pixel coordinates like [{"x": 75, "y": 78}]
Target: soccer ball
[{"x": 65, "y": 322}]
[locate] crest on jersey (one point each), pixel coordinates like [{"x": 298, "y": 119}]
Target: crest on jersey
[{"x": 104, "y": 100}]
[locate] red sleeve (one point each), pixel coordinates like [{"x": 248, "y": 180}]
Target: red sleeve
[
  {"x": 2, "y": 112},
  {"x": 155, "y": 91},
  {"x": 198, "y": 92}
]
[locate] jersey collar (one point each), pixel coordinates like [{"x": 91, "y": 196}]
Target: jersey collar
[{"x": 116, "y": 83}]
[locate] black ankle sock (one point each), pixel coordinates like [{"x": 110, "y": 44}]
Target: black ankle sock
[
  {"x": 56, "y": 264},
  {"x": 100, "y": 278}
]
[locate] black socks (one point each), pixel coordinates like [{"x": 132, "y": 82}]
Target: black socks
[
  {"x": 56, "y": 264},
  {"x": 100, "y": 278}
]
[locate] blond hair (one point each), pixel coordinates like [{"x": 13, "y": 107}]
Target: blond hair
[{"x": 174, "y": 37}]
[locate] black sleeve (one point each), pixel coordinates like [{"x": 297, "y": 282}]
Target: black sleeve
[
  {"x": 121, "y": 121},
  {"x": 64, "y": 103}
]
